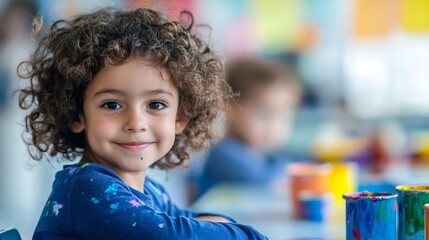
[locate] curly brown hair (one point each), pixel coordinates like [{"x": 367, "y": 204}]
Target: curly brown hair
[{"x": 73, "y": 51}]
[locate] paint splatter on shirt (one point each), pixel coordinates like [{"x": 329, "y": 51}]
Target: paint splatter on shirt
[
  {"x": 136, "y": 203},
  {"x": 90, "y": 201},
  {"x": 94, "y": 200},
  {"x": 56, "y": 208}
]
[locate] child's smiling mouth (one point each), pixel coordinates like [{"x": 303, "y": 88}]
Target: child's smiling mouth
[{"x": 134, "y": 146}]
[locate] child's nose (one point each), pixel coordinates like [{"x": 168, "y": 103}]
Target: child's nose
[{"x": 135, "y": 121}]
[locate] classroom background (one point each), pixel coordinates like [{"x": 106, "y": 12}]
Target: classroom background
[{"x": 363, "y": 65}]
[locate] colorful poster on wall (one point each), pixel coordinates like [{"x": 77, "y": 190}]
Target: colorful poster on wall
[
  {"x": 278, "y": 22},
  {"x": 374, "y": 18},
  {"x": 415, "y": 15},
  {"x": 172, "y": 8},
  {"x": 233, "y": 28}
]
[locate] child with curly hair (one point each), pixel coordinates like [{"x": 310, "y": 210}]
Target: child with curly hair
[{"x": 125, "y": 91}]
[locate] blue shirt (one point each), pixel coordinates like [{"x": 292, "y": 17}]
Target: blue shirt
[
  {"x": 91, "y": 201},
  {"x": 231, "y": 161}
]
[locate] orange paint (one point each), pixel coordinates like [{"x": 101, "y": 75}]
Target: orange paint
[{"x": 313, "y": 177}]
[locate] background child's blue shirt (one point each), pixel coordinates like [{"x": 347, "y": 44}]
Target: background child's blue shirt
[
  {"x": 91, "y": 201},
  {"x": 231, "y": 161}
]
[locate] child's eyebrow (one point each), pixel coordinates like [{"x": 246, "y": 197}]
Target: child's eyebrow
[
  {"x": 158, "y": 91},
  {"x": 108, "y": 91},
  {"x": 148, "y": 93}
]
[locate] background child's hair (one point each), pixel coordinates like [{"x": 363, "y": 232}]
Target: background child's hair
[
  {"x": 72, "y": 53},
  {"x": 246, "y": 75}
]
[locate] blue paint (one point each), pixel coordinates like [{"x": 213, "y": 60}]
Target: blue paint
[
  {"x": 312, "y": 209},
  {"x": 315, "y": 207},
  {"x": 371, "y": 216},
  {"x": 94, "y": 200},
  {"x": 111, "y": 190},
  {"x": 114, "y": 206}
]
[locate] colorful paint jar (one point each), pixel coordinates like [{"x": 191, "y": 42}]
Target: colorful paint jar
[
  {"x": 426, "y": 209},
  {"x": 315, "y": 207},
  {"x": 371, "y": 216},
  {"x": 343, "y": 179},
  {"x": 312, "y": 177},
  {"x": 410, "y": 211}
]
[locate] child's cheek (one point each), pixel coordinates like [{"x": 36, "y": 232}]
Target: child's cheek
[
  {"x": 102, "y": 128},
  {"x": 169, "y": 131}
]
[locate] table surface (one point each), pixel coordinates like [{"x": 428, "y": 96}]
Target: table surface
[{"x": 268, "y": 209}]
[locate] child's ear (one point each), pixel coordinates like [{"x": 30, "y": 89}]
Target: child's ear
[
  {"x": 78, "y": 126},
  {"x": 181, "y": 122}
]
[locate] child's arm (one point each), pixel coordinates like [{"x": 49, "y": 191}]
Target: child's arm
[
  {"x": 118, "y": 214},
  {"x": 212, "y": 218},
  {"x": 174, "y": 210}
]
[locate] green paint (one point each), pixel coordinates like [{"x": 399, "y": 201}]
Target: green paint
[
  {"x": 381, "y": 212},
  {"x": 82, "y": 166},
  {"x": 414, "y": 213}
]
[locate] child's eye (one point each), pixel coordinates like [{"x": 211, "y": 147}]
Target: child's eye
[
  {"x": 111, "y": 105},
  {"x": 157, "y": 105}
]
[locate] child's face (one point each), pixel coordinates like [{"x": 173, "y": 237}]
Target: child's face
[
  {"x": 129, "y": 114},
  {"x": 264, "y": 120}
]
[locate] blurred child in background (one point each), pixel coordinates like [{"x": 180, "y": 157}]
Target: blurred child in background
[
  {"x": 17, "y": 184},
  {"x": 15, "y": 25},
  {"x": 259, "y": 123}
]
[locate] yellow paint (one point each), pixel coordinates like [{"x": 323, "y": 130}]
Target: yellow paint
[
  {"x": 413, "y": 188},
  {"x": 343, "y": 179}
]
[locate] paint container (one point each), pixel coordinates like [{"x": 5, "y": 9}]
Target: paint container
[
  {"x": 371, "y": 215},
  {"x": 315, "y": 207},
  {"x": 312, "y": 177},
  {"x": 343, "y": 179},
  {"x": 426, "y": 209},
  {"x": 410, "y": 211}
]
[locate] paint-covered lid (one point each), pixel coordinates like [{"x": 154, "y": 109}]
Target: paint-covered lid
[
  {"x": 373, "y": 196},
  {"x": 405, "y": 188}
]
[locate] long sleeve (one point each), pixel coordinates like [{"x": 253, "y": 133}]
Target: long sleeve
[
  {"x": 118, "y": 213},
  {"x": 162, "y": 199},
  {"x": 94, "y": 203}
]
